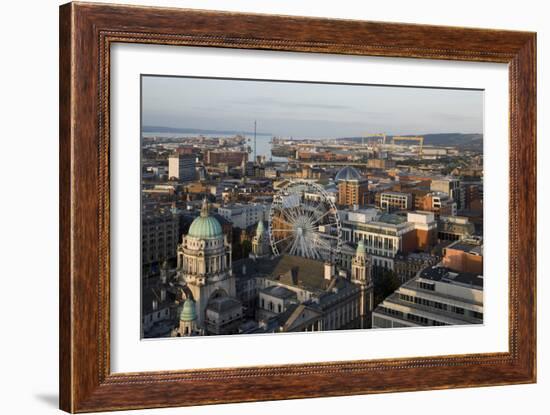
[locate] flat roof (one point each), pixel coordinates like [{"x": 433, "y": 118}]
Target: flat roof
[
  {"x": 446, "y": 275},
  {"x": 469, "y": 247}
]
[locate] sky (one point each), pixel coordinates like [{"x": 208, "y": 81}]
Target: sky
[{"x": 308, "y": 110}]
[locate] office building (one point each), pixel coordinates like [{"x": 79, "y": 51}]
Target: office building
[
  {"x": 226, "y": 157},
  {"x": 437, "y": 297},
  {"x": 159, "y": 237},
  {"x": 243, "y": 215},
  {"x": 450, "y": 186},
  {"x": 181, "y": 167},
  {"x": 390, "y": 201}
]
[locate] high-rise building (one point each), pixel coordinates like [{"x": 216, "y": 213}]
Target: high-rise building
[
  {"x": 353, "y": 188},
  {"x": 181, "y": 167},
  {"x": 159, "y": 237}
]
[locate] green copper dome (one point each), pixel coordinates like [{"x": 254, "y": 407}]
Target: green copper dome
[
  {"x": 188, "y": 311},
  {"x": 205, "y": 226}
]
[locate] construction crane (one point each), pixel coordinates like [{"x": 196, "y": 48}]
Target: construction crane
[
  {"x": 410, "y": 138},
  {"x": 382, "y": 135}
]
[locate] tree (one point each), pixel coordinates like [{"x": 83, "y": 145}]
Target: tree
[
  {"x": 385, "y": 283},
  {"x": 246, "y": 248}
]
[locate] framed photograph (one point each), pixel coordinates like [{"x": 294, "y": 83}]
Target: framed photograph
[{"x": 258, "y": 207}]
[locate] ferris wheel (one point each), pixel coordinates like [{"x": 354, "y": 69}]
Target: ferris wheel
[{"x": 304, "y": 221}]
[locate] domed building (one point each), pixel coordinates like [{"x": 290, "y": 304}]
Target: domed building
[
  {"x": 348, "y": 173},
  {"x": 188, "y": 318},
  {"x": 204, "y": 267},
  {"x": 353, "y": 188}
]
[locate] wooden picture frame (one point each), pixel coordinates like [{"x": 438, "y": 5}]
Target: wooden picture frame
[{"x": 86, "y": 33}]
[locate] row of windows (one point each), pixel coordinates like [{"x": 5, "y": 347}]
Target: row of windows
[
  {"x": 417, "y": 319},
  {"x": 423, "y": 301},
  {"x": 391, "y": 312},
  {"x": 429, "y": 286},
  {"x": 411, "y": 317},
  {"x": 440, "y": 306},
  {"x": 146, "y": 235},
  {"x": 159, "y": 241},
  {"x": 377, "y": 242}
]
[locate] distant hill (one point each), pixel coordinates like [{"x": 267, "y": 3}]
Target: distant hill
[
  {"x": 176, "y": 130},
  {"x": 453, "y": 139},
  {"x": 472, "y": 141}
]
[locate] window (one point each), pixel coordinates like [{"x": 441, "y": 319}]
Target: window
[
  {"x": 430, "y": 286},
  {"x": 417, "y": 319},
  {"x": 457, "y": 310},
  {"x": 477, "y": 314}
]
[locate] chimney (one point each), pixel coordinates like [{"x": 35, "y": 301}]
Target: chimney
[
  {"x": 162, "y": 294},
  {"x": 244, "y": 269},
  {"x": 155, "y": 305}
]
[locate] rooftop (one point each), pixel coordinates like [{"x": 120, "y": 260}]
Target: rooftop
[
  {"x": 391, "y": 218},
  {"x": 288, "y": 270},
  {"x": 446, "y": 275},
  {"x": 223, "y": 304},
  {"x": 468, "y": 246},
  {"x": 348, "y": 173},
  {"x": 279, "y": 292}
]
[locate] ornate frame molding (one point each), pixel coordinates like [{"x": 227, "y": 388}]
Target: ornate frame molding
[{"x": 86, "y": 33}]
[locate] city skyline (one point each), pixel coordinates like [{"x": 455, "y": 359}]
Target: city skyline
[
  {"x": 278, "y": 235},
  {"x": 303, "y": 110}
]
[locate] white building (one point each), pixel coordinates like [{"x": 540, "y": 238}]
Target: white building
[
  {"x": 451, "y": 186},
  {"x": 243, "y": 215},
  {"x": 395, "y": 201},
  {"x": 436, "y": 297},
  {"x": 443, "y": 202}
]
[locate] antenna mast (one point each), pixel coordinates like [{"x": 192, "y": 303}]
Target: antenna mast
[{"x": 254, "y": 141}]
